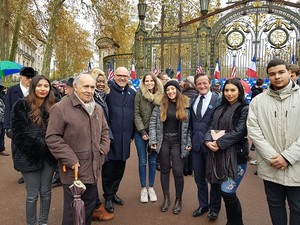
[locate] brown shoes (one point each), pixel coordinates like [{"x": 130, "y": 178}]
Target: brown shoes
[
  {"x": 102, "y": 214},
  {"x": 4, "y": 153}
]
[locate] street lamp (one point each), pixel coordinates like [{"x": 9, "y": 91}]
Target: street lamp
[
  {"x": 204, "y": 6},
  {"x": 142, "y": 6}
]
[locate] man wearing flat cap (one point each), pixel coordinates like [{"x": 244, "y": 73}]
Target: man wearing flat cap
[{"x": 14, "y": 93}]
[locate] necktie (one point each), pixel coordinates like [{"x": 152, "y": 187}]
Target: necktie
[{"x": 199, "y": 107}]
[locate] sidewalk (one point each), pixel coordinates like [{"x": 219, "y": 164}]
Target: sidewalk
[{"x": 255, "y": 211}]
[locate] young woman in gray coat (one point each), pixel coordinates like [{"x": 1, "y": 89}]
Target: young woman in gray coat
[{"x": 171, "y": 138}]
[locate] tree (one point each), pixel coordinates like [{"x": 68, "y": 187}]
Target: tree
[
  {"x": 72, "y": 48},
  {"x": 54, "y": 9},
  {"x": 4, "y": 29}
]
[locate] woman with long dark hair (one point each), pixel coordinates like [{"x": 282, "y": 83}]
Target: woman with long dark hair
[
  {"x": 170, "y": 136},
  {"x": 31, "y": 155},
  {"x": 227, "y": 160}
]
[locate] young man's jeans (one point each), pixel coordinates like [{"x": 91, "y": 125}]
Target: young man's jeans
[
  {"x": 38, "y": 183},
  {"x": 277, "y": 195},
  {"x": 141, "y": 146}
]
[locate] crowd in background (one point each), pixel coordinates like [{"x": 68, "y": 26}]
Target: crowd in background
[{"x": 195, "y": 126}]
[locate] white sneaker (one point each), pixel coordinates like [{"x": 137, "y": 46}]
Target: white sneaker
[
  {"x": 144, "y": 195},
  {"x": 152, "y": 195},
  {"x": 253, "y": 162}
]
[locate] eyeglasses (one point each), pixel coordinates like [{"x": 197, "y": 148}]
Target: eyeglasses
[{"x": 122, "y": 76}]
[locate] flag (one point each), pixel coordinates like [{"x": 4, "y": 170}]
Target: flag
[
  {"x": 178, "y": 75},
  {"x": 110, "y": 72},
  {"x": 133, "y": 73},
  {"x": 217, "y": 70},
  {"x": 199, "y": 68},
  {"x": 293, "y": 59},
  {"x": 251, "y": 72},
  {"x": 89, "y": 66},
  {"x": 155, "y": 70},
  {"x": 233, "y": 70}
]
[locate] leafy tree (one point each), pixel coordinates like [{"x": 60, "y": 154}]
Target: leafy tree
[
  {"x": 72, "y": 48},
  {"x": 4, "y": 29}
]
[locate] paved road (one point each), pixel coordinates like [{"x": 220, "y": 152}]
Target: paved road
[{"x": 255, "y": 211}]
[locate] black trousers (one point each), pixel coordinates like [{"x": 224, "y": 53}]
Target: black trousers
[
  {"x": 112, "y": 174},
  {"x": 89, "y": 197},
  {"x": 170, "y": 152}
]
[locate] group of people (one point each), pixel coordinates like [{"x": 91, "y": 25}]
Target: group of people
[{"x": 167, "y": 126}]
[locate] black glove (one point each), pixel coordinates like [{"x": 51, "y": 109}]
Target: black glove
[
  {"x": 184, "y": 154},
  {"x": 8, "y": 133}
]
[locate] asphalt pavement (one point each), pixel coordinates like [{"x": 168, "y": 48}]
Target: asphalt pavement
[{"x": 250, "y": 192}]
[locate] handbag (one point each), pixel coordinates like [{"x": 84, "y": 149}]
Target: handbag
[{"x": 216, "y": 134}]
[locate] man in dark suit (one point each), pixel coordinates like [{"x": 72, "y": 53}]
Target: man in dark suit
[
  {"x": 13, "y": 94},
  {"x": 170, "y": 72},
  {"x": 202, "y": 109},
  {"x": 120, "y": 102}
]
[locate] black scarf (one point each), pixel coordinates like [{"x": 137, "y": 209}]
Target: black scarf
[{"x": 222, "y": 164}]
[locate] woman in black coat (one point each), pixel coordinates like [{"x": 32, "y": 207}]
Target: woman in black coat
[
  {"x": 31, "y": 155},
  {"x": 227, "y": 160}
]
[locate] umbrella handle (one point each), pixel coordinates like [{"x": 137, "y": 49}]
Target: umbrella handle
[
  {"x": 76, "y": 173},
  {"x": 64, "y": 168}
]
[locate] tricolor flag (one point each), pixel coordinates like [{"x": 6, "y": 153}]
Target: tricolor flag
[
  {"x": 178, "y": 75},
  {"x": 217, "y": 70},
  {"x": 155, "y": 70},
  {"x": 251, "y": 72},
  {"x": 233, "y": 70},
  {"x": 110, "y": 72},
  {"x": 293, "y": 59},
  {"x": 133, "y": 73},
  {"x": 199, "y": 68}
]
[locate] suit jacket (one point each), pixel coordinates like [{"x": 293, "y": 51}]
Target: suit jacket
[
  {"x": 13, "y": 94},
  {"x": 200, "y": 127}
]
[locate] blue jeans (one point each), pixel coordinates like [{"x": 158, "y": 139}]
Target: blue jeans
[
  {"x": 141, "y": 146},
  {"x": 38, "y": 183},
  {"x": 277, "y": 195},
  {"x": 230, "y": 186}
]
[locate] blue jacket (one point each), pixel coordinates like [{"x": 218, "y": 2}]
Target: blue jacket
[
  {"x": 121, "y": 120},
  {"x": 200, "y": 127}
]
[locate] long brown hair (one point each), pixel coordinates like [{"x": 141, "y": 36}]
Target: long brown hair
[
  {"x": 181, "y": 103},
  {"x": 155, "y": 89},
  {"x": 36, "y": 109}
]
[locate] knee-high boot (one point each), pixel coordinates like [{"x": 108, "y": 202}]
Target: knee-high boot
[
  {"x": 165, "y": 206},
  {"x": 233, "y": 209}
]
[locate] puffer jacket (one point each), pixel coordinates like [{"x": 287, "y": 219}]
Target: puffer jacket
[
  {"x": 143, "y": 105},
  {"x": 30, "y": 149},
  {"x": 156, "y": 129},
  {"x": 273, "y": 125}
]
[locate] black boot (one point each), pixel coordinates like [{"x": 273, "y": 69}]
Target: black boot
[
  {"x": 177, "y": 206},
  {"x": 165, "y": 206},
  {"x": 233, "y": 209}
]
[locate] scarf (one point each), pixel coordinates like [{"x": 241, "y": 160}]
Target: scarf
[{"x": 222, "y": 164}]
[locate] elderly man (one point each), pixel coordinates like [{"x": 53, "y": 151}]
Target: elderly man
[
  {"x": 273, "y": 125},
  {"x": 77, "y": 136},
  {"x": 120, "y": 102}
]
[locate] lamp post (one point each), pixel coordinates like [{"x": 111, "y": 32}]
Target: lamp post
[
  {"x": 142, "y": 6},
  {"x": 204, "y": 6}
]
